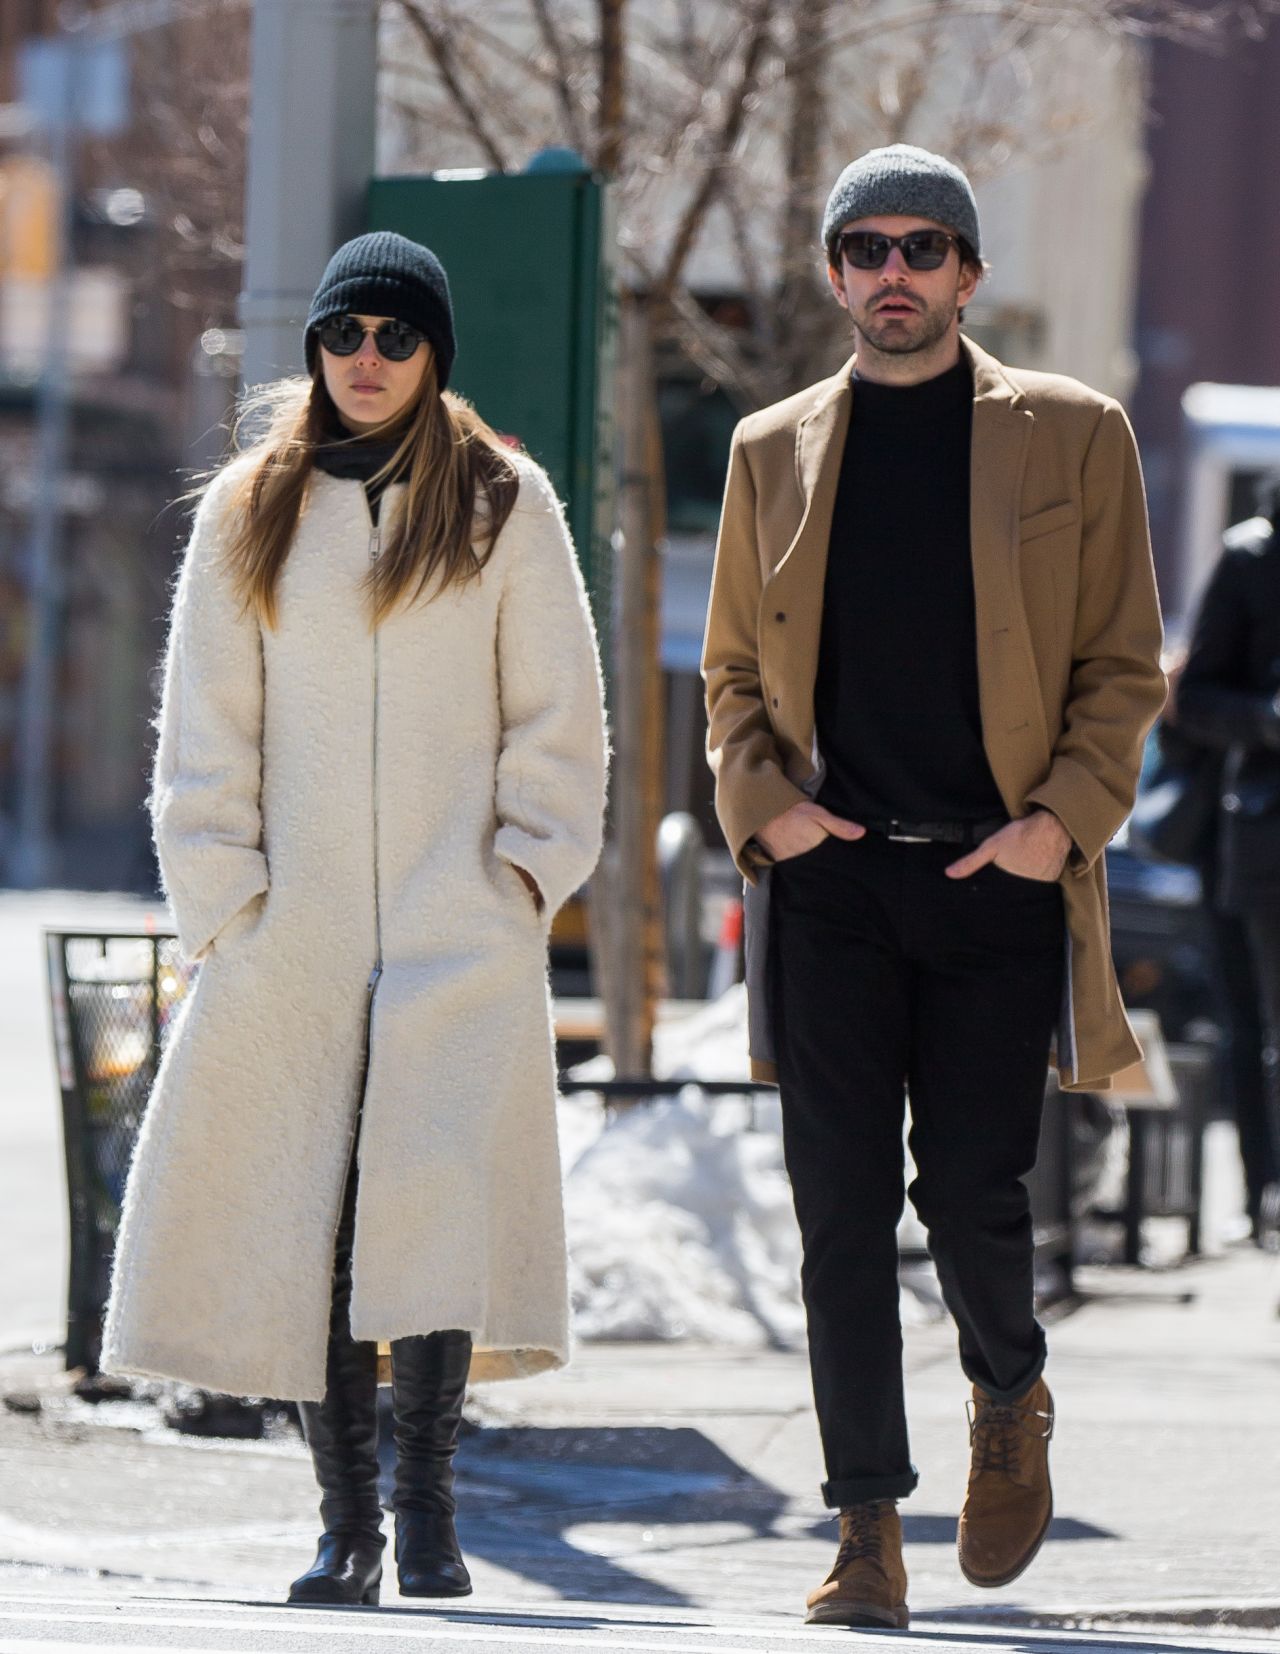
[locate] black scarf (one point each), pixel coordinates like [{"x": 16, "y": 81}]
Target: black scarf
[{"x": 359, "y": 459}]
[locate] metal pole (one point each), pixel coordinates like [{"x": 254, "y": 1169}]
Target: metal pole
[
  {"x": 680, "y": 855},
  {"x": 311, "y": 156},
  {"x": 32, "y": 858}
]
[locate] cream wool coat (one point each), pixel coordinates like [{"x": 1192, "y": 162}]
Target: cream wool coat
[{"x": 325, "y": 796}]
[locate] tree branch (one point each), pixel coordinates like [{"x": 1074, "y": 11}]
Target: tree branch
[
  {"x": 612, "y": 110},
  {"x": 719, "y": 352},
  {"x": 1169, "y": 19},
  {"x": 553, "y": 40},
  {"x": 440, "y": 49},
  {"x": 759, "y": 43}
]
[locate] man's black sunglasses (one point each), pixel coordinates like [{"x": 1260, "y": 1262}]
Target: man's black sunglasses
[
  {"x": 343, "y": 336},
  {"x": 921, "y": 249}
]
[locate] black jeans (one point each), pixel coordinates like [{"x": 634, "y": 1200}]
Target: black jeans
[
  {"x": 1248, "y": 1079},
  {"x": 1248, "y": 958},
  {"x": 886, "y": 977}
]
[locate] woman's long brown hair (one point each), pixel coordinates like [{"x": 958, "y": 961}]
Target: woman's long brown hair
[{"x": 460, "y": 486}]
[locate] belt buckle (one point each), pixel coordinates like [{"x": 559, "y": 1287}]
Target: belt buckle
[{"x": 906, "y": 838}]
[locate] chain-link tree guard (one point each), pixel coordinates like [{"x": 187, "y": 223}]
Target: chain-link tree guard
[{"x": 113, "y": 999}]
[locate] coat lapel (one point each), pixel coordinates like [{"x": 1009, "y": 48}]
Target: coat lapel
[
  {"x": 998, "y": 457},
  {"x": 1013, "y": 723},
  {"x": 795, "y": 588}
]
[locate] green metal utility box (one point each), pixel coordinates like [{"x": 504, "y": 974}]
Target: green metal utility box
[{"x": 529, "y": 262}]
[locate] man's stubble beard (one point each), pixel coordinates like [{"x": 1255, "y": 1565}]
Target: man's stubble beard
[{"x": 891, "y": 339}]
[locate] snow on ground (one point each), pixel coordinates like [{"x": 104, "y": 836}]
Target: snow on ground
[
  {"x": 679, "y": 1211},
  {"x": 680, "y": 1226}
]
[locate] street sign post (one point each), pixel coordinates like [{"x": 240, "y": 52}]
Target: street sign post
[{"x": 80, "y": 82}]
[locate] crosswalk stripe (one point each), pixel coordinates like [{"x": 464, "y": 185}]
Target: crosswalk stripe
[
  {"x": 10, "y": 1645},
  {"x": 432, "y": 1633},
  {"x": 503, "y": 1625},
  {"x": 598, "y": 1632}
]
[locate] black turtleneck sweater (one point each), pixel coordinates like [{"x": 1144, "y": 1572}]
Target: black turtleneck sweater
[{"x": 896, "y": 698}]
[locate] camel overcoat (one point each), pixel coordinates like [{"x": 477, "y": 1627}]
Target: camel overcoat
[
  {"x": 329, "y": 799},
  {"x": 1068, "y": 639}
]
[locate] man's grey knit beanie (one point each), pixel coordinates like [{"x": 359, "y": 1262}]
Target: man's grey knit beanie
[{"x": 903, "y": 180}]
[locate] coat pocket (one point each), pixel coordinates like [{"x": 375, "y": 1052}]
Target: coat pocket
[
  {"x": 516, "y": 893},
  {"x": 1048, "y": 521},
  {"x": 244, "y": 922}
]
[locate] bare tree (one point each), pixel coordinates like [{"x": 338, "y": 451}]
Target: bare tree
[{"x": 736, "y": 112}]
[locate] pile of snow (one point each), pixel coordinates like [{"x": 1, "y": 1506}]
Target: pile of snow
[
  {"x": 679, "y": 1211},
  {"x": 680, "y": 1226}
]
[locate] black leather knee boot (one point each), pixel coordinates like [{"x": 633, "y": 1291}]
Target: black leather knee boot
[
  {"x": 428, "y": 1383},
  {"x": 342, "y": 1433}
]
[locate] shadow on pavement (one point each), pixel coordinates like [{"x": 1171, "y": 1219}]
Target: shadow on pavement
[
  {"x": 949, "y": 1626},
  {"x": 941, "y": 1530},
  {"x": 522, "y": 1490}
]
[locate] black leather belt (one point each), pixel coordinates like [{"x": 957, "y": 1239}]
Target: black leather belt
[{"x": 966, "y": 834}]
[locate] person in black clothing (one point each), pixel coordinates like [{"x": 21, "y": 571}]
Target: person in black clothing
[{"x": 1227, "y": 700}]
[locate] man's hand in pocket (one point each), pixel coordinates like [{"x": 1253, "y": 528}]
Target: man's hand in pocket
[{"x": 803, "y": 827}]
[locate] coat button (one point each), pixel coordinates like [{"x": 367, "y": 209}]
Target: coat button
[
  {"x": 780, "y": 615},
  {"x": 775, "y": 700}
]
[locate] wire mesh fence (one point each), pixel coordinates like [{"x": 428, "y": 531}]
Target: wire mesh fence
[{"x": 113, "y": 999}]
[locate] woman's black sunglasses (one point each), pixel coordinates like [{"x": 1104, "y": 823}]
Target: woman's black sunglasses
[
  {"x": 921, "y": 249},
  {"x": 344, "y": 335}
]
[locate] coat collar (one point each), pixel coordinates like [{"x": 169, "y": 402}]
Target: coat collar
[
  {"x": 991, "y": 384},
  {"x": 820, "y": 434}
]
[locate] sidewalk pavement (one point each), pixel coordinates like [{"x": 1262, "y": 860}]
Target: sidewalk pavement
[{"x": 682, "y": 1479}]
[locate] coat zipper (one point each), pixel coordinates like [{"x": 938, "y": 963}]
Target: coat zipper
[{"x": 375, "y": 547}]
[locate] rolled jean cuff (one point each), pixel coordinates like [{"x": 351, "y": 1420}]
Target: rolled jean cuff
[
  {"x": 1006, "y": 1398},
  {"x": 861, "y": 1490}
]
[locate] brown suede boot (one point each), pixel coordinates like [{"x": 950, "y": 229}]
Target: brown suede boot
[
  {"x": 1009, "y": 1505},
  {"x": 868, "y": 1585}
]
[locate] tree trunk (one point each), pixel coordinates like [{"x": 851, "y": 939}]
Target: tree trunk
[
  {"x": 626, "y": 904},
  {"x": 609, "y": 137},
  {"x": 802, "y": 321}
]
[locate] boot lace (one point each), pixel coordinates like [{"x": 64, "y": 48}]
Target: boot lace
[
  {"x": 997, "y": 1431},
  {"x": 860, "y": 1534}
]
